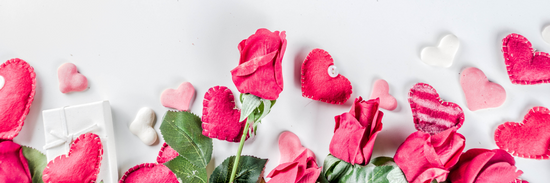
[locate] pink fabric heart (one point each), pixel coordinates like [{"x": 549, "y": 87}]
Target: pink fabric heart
[
  {"x": 381, "y": 90},
  {"x": 180, "y": 98},
  {"x": 149, "y": 172},
  {"x": 220, "y": 116},
  {"x": 70, "y": 80},
  {"x": 166, "y": 154},
  {"x": 80, "y": 165},
  {"x": 13, "y": 165},
  {"x": 431, "y": 114},
  {"x": 317, "y": 84},
  {"x": 479, "y": 91},
  {"x": 297, "y": 163},
  {"x": 483, "y": 165},
  {"x": 525, "y": 66},
  {"x": 528, "y": 139},
  {"x": 16, "y": 96}
]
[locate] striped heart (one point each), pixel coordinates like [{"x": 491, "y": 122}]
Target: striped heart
[{"x": 431, "y": 114}]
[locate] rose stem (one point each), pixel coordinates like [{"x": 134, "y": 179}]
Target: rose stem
[{"x": 238, "y": 156}]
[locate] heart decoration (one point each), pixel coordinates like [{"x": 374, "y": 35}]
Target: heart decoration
[
  {"x": 479, "y": 91},
  {"x": 528, "y": 139},
  {"x": 431, "y": 114},
  {"x": 80, "y": 165},
  {"x": 220, "y": 116},
  {"x": 166, "y": 154},
  {"x": 70, "y": 80},
  {"x": 525, "y": 66},
  {"x": 180, "y": 98},
  {"x": 16, "y": 94},
  {"x": 442, "y": 55},
  {"x": 142, "y": 126},
  {"x": 318, "y": 84},
  {"x": 546, "y": 34},
  {"x": 149, "y": 172},
  {"x": 381, "y": 90}
]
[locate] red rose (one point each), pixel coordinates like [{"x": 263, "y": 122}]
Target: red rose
[
  {"x": 13, "y": 166},
  {"x": 260, "y": 72},
  {"x": 484, "y": 165},
  {"x": 297, "y": 163},
  {"x": 424, "y": 157},
  {"x": 355, "y": 132}
]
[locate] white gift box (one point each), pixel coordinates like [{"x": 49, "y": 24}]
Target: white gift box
[{"x": 63, "y": 125}]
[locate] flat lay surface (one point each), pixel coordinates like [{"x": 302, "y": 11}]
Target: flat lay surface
[{"x": 131, "y": 51}]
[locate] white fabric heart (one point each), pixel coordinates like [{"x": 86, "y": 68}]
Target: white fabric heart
[
  {"x": 546, "y": 34},
  {"x": 142, "y": 126},
  {"x": 442, "y": 55},
  {"x": 2, "y": 81}
]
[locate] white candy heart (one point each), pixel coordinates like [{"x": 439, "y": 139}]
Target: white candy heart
[
  {"x": 546, "y": 34},
  {"x": 142, "y": 126},
  {"x": 442, "y": 55},
  {"x": 2, "y": 82}
]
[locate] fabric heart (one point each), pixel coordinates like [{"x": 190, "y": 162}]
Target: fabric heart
[
  {"x": 442, "y": 55},
  {"x": 381, "y": 90},
  {"x": 546, "y": 34},
  {"x": 180, "y": 98},
  {"x": 220, "y": 116},
  {"x": 431, "y": 114},
  {"x": 166, "y": 154},
  {"x": 525, "y": 66},
  {"x": 70, "y": 80},
  {"x": 321, "y": 81},
  {"x": 528, "y": 139},
  {"x": 81, "y": 165},
  {"x": 479, "y": 91},
  {"x": 142, "y": 126},
  {"x": 16, "y": 96},
  {"x": 149, "y": 172}
]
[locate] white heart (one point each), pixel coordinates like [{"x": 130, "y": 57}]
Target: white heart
[
  {"x": 2, "y": 82},
  {"x": 546, "y": 34},
  {"x": 142, "y": 126},
  {"x": 442, "y": 55}
]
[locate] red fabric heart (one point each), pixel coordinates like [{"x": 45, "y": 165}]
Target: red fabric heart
[
  {"x": 528, "y": 139},
  {"x": 16, "y": 95},
  {"x": 81, "y": 165},
  {"x": 166, "y": 154},
  {"x": 431, "y": 114},
  {"x": 220, "y": 116},
  {"x": 525, "y": 66},
  {"x": 317, "y": 84},
  {"x": 149, "y": 172}
]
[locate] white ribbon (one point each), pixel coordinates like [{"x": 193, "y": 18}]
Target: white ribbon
[{"x": 66, "y": 137}]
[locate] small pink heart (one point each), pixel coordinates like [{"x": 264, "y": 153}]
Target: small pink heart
[
  {"x": 220, "y": 116},
  {"x": 381, "y": 90},
  {"x": 180, "y": 98},
  {"x": 479, "y": 91},
  {"x": 80, "y": 165},
  {"x": 525, "y": 66},
  {"x": 69, "y": 78},
  {"x": 290, "y": 147},
  {"x": 149, "y": 172},
  {"x": 166, "y": 154}
]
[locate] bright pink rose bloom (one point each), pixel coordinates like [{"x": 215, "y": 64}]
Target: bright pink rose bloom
[
  {"x": 424, "y": 157},
  {"x": 484, "y": 165},
  {"x": 260, "y": 71},
  {"x": 297, "y": 164},
  {"x": 355, "y": 132},
  {"x": 13, "y": 166}
]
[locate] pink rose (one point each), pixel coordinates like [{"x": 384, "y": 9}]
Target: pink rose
[
  {"x": 484, "y": 165},
  {"x": 355, "y": 132},
  {"x": 13, "y": 166},
  {"x": 424, "y": 157},
  {"x": 297, "y": 164},
  {"x": 260, "y": 72}
]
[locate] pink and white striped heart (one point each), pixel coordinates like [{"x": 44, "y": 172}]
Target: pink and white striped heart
[{"x": 431, "y": 114}]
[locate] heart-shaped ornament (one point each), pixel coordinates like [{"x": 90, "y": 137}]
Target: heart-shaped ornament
[
  {"x": 70, "y": 80},
  {"x": 142, "y": 126},
  {"x": 16, "y": 96},
  {"x": 149, "y": 172},
  {"x": 479, "y": 91},
  {"x": 546, "y": 34},
  {"x": 431, "y": 114},
  {"x": 444, "y": 54},
  {"x": 220, "y": 116},
  {"x": 528, "y": 139},
  {"x": 166, "y": 154},
  {"x": 525, "y": 66},
  {"x": 180, "y": 98},
  {"x": 321, "y": 80},
  {"x": 80, "y": 165},
  {"x": 381, "y": 90}
]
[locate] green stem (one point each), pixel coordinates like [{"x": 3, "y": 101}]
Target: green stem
[{"x": 238, "y": 156}]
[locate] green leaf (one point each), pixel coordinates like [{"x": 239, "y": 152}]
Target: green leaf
[
  {"x": 380, "y": 170},
  {"x": 186, "y": 171},
  {"x": 37, "y": 162},
  {"x": 249, "y": 170},
  {"x": 183, "y": 132},
  {"x": 264, "y": 109},
  {"x": 250, "y": 103}
]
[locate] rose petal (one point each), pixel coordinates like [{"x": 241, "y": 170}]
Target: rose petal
[{"x": 14, "y": 166}]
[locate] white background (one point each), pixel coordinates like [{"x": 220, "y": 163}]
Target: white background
[{"x": 131, "y": 50}]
